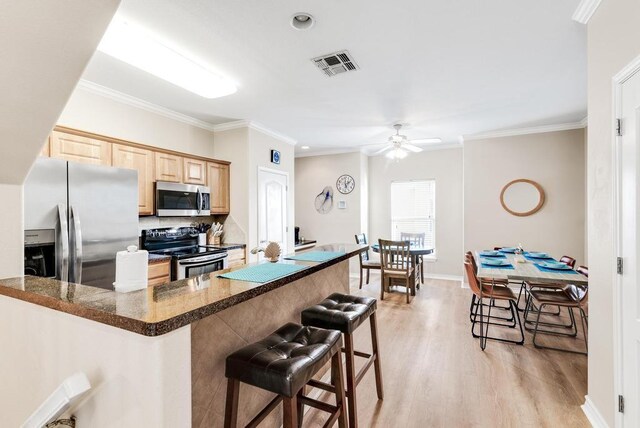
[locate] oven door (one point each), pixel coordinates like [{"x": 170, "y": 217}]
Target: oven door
[
  {"x": 194, "y": 266},
  {"x": 176, "y": 199}
]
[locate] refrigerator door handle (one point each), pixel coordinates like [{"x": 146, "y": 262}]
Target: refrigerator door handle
[
  {"x": 76, "y": 257},
  {"x": 62, "y": 244}
]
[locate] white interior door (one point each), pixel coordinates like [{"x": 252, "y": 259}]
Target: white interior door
[
  {"x": 272, "y": 207},
  {"x": 628, "y": 246}
]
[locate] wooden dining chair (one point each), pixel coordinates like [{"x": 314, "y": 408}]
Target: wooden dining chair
[
  {"x": 365, "y": 262},
  {"x": 569, "y": 261},
  {"x": 571, "y": 297},
  {"x": 493, "y": 293},
  {"x": 395, "y": 263},
  {"x": 416, "y": 239}
]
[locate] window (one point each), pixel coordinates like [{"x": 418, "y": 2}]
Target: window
[{"x": 413, "y": 209}]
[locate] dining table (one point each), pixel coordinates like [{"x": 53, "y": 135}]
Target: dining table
[
  {"x": 525, "y": 267},
  {"x": 415, "y": 251}
]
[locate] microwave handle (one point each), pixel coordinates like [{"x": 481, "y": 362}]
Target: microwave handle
[{"x": 199, "y": 200}]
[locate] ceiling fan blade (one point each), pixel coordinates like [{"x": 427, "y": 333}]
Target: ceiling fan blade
[
  {"x": 412, "y": 148},
  {"x": 381, "y": 151},
  {"x": 425, "y": 140}
]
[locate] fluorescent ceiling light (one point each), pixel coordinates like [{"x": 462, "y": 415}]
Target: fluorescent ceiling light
[
  {"x": 138, "y": 48},
  {"x": 305, "y": 147}
]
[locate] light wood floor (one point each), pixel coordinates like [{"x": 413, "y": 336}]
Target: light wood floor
[{"x": 435, "y": 374}]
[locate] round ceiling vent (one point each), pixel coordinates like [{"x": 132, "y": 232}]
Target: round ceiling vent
[{"x": 302, "y": 21}]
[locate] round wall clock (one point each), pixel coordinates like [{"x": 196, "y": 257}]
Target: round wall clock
[
  {"x": 345, "y": 184},
  {"x": 324, "y": 200}
]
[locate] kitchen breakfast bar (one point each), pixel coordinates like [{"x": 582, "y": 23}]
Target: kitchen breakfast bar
[{"x": 159, "y": 351}]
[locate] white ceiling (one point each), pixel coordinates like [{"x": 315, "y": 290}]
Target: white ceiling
[{"x": 448, "y": 68}]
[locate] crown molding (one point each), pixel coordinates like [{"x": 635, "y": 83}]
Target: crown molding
[
  {"x": 526, "y": 131},
  {"x": 256, "y": 127},
  {"x": 143, "y": 105},
  {"x": 585, "y": 11},
  {"x": 585, "y": 121}
]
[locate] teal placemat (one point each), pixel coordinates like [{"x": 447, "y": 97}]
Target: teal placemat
[
  {"x": 544, "y": 269},
  {"x": 316, "y": 256},
  {"x": 262, "y": 273}
]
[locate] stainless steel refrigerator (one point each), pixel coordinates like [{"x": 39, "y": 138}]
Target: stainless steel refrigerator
[{"x": 93, "y": 210}]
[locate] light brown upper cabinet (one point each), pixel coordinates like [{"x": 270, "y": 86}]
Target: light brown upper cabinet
[
  {"x": 168, "y": 167},
  {"x": 142, "y": 161},
  {"x": 218, "y": 174},
  {"x": 79, "y": 149},
  {"x": 195, "y": 171}
]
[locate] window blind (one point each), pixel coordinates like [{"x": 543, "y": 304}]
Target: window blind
[{"x": 413, "y": 209}]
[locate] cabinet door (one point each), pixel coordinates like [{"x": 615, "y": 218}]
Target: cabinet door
[
  {"x": 219, "y": 184},
  {"x": 195, "y": 171},
  {"x": 79, "y": 149},
  {"x": 168, "y": 167},
  {"x": 142, "y": 161}
]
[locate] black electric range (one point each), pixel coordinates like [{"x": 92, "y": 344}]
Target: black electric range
[{"x": 188, "y": 258}]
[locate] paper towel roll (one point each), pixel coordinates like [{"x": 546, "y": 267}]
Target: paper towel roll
[{"x": 131, "y": 269}]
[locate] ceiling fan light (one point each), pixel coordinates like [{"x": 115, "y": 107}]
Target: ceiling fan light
[{"x": 397, "y": 153}]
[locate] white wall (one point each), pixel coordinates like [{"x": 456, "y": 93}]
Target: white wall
[
  {"x": 556, "y": 161},
  {"x": 96, "y": 113},
  {"x": 248, "y": 149},
  {"x": 613, "y": 42},
  {"x": 445, "y": 166},
  {"x": 40, "y": 67},
  {"x": 312, "y": 174},
  {"x": 136, "y": 381},
  {"x": 260, "y": 146}
]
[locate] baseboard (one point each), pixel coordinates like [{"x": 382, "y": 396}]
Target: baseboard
[
  {"x": 443, "y": 277},
  {"x": 593, "y": 415}
]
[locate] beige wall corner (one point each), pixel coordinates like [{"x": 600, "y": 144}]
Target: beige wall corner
[
  {"x": 446, "y": 167},
  {"x": 312, "y": 174},
  {"x": 613, "y": 34},
  {"x": 555, "y": 160}
]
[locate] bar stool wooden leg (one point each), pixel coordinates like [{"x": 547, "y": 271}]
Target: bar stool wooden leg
[
  {"x": 337, "y": 380},
  {"x": 231, "y": 407},
  {"x": 290, "y": 407},
  {"x": 301, "y": 394},
  {"x": 351, "y": 381},
  {"x": 376, "y": 363}
]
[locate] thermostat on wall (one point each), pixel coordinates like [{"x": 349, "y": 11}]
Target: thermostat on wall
[
  {"x": 342, "y": 205},
  {"x": 275, "y": 156}
]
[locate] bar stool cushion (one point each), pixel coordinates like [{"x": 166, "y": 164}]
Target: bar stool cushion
[
  {"x": 339, "y": 312},
  {"x": 286, "y": 360}
]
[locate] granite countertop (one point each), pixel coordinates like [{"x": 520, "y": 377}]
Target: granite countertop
[
  {"x": 158, "y": 258},
  {"x": 161, "y": 309}
]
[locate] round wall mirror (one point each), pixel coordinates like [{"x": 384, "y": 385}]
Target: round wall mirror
[{"x": 522, "y": 197}]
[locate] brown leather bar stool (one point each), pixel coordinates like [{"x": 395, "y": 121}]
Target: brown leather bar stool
[
  {"x": 345, "y": 313},
  {"x": 283, "y": 363}
]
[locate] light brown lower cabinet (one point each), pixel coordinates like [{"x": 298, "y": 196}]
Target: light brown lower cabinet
[
  {"x": 159, "y": 273},
  {"x": 236, "y": 257},
  {"x": 142, "y": 161}
]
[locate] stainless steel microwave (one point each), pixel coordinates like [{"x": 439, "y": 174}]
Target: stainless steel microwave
[{"x": 176, "y": 199}]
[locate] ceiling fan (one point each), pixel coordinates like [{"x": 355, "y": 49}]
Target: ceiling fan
[{"x": 399, "y": 145}]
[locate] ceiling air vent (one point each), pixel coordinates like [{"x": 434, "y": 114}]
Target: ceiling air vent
[{"x": 335, "y": 63}]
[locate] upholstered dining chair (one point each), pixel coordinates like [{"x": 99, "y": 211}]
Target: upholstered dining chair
[
  {"x": 571, "y": 297},
  {"x": 395, "y": 263},
  {"x": 469, "y": 257},
  {"x": 493, "y": 293},
  {"x": 366, "y": 264},
  {"x": 416, "y": 239}
]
